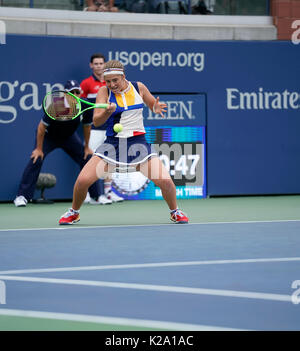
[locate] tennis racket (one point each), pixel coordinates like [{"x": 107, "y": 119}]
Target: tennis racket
[{"x": 61, "y": 105}]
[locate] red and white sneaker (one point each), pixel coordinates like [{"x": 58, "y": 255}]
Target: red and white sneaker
[
  {"x": 178, "y": 216},
  {"x": 70, "y": 217}
]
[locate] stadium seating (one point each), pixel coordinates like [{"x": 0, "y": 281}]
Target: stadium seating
[
  {"x": 46, "y": 4},
  {"x": 217, "y": 7}
]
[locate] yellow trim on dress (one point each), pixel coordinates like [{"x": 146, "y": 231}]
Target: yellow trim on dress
[{"x": 129, "y": 97}]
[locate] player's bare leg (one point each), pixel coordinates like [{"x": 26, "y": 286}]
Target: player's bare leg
[
  {"x": 94, "y": 169},
  {"x": 155, "y": 170}
]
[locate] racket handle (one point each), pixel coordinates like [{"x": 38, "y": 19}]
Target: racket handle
[{"x": 101, "y": 105}]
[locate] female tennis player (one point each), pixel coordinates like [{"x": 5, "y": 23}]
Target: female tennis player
[{"x": 126, "y": 148}]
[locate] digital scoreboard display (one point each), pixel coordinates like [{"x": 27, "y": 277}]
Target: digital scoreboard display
[{"x": 182, "y": 151}]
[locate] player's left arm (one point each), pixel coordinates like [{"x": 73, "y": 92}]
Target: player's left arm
[{"x": 153, "y": 103}]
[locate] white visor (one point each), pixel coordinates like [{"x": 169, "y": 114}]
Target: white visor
[{"x": 113, "y": 71}]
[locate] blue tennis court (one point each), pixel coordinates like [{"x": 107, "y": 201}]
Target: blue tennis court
[{"x": 233, "y": 275}]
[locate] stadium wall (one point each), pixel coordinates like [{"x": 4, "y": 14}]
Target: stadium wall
[{"x": 252, "y": 104}]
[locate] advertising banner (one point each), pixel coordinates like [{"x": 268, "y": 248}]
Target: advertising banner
[{"x": 246, "y": 94}]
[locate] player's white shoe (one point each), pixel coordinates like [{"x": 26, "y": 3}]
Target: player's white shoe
[
  {"x": 102, "y": 200},
  {"x": 20, "y": 201},
  {"x": 114, "y": 197}
]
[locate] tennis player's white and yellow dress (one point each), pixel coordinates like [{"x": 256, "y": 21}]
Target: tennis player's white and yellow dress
[{"x": 129, "y": 147}]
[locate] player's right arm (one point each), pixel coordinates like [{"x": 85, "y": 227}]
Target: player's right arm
[
  {"x": 101, "y": 115},
  {"x": 38, "y": 151}
]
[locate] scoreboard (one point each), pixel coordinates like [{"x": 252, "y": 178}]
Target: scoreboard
[{"x": 181, "y": 145}]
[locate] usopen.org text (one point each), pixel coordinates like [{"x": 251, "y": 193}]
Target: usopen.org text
[{"x": 144, "y": 59}]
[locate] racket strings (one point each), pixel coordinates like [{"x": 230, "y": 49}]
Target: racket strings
[{"x": 61, "y": 106}]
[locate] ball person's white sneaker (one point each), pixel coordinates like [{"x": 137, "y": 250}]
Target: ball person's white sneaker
[
  {"x": 102, "y": 200},
  {"x": 20, "y": 201},
  {"x": 87, "y": 199},
  {"x": 114, "y": 197}
]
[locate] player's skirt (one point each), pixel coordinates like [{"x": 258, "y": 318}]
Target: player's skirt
[{"x": 126, "y": 151}]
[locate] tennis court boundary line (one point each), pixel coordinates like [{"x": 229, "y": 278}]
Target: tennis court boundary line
[
  {"x": 155, "y": 288},
  {"x": 149, "y": 265},
  {"x": 76, "y": 226},
  {"x": 83, "y": 318}
]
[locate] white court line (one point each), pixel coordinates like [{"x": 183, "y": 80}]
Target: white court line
[
  {"x": 113, "y": 320},
  {"x": 151, "y": 287},
  {"x": 68, "y": 227},
  {"x": 150, "y": 265}
]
